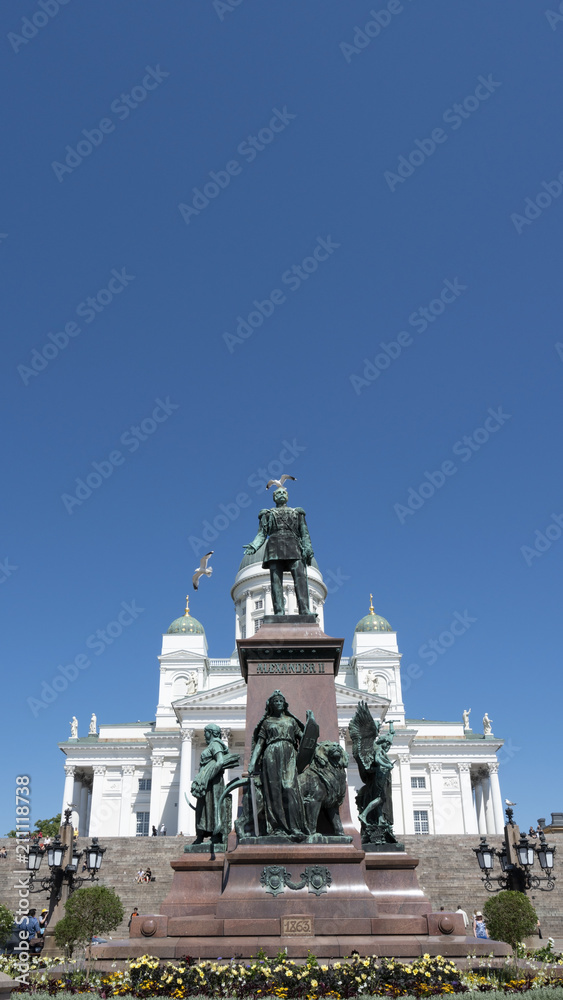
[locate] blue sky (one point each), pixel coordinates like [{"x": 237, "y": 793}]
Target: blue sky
[{"x": 283, "y": 131}]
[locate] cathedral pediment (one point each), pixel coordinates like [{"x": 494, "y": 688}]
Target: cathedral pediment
[
  {"x": 348, "y": 698},
  {"x": 180, "y": 656},
  {"x": 378, "y": 654},
  {"x": 233, "y": 694}
]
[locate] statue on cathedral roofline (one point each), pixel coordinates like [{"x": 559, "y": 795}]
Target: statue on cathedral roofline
[
  {"x": 487, "y": 725},
  {"x": 374, "y": 799},
  {"x": 466, "y": 713},
  {"x": 288, "y": 550},
  {"x": 74, "y": 728}
]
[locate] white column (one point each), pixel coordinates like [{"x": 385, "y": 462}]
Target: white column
[
  {"x": 480, "y": 807},
  {"x": 68, "y": 792},
  {"x": 406, "y": 792},
  {"x": 127, "y": 772},
  {"x": 155, "y": 815},
  {"x": 469, "y": 814},
  {"x": 96, "y": 819},
  {"x": 186, "y": 815},
  {"x": 76, "y": 790},
  {"x": 488, "y": 803},
  {"x": 83, "y": 828},
  {"x": 248, "y": 618},
  {"x": 497, "y": 798},
  {"x": 437, "y": 801}
]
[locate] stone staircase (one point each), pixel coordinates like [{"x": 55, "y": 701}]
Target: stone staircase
[{"x": 447, "y": 873}]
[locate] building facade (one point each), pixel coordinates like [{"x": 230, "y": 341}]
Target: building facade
[{"x": 125, "y": 779}]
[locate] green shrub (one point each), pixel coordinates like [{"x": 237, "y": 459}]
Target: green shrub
[{"x": 510, "y": 917}]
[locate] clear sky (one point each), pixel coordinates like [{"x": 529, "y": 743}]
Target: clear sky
[{"x": 219, "y": 213}]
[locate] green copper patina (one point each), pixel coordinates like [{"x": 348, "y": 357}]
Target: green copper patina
[
  {"x": 213, "y": 810},
  {"x": 289, "y": 550},
  {"x": 374, "y": 799}
]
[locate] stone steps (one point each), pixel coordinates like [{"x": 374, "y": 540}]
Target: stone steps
[{"x": 447, "y": 873}]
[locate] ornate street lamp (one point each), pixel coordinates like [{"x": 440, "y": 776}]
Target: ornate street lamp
[
  {"x": 485, "y": 855},
  {"x": 59, "y": 874},
  {"x": 518, "y": 875}
]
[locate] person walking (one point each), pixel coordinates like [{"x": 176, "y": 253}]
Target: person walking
[
  {"x": 464, "y": 915},
  {"x": 479, "y": 926}
]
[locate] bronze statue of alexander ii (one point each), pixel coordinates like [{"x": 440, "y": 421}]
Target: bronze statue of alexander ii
[{"x": 288, "y": 550}]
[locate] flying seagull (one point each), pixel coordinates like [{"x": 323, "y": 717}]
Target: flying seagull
[
  {"x": 279, "y": 482},
  {"x": 203, "y": 569},
  {"x": 509, "y": 803}
]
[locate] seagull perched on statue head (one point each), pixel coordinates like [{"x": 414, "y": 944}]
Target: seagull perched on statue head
[
  {"x": 279, "y": 482},
  {"x": 202, "y": 570},
  {"x": 509, "y": 803}
]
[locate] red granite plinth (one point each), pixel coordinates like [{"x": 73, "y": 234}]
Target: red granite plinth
[
  {"x": 393, "y": 882},
  {"x": 347, "y": 897},
  {"x": 196, "y": 885}
]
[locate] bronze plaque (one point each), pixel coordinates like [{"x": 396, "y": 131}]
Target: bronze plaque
[{"x": 298, "y": 925}]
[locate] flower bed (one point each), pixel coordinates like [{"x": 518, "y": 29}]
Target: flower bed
[{"x": 285, "y": 979}]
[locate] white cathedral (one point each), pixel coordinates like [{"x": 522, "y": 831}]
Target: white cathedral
[{"x": 129, "y": 777}]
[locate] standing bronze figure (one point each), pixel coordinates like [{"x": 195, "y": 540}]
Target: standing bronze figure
[
  {"x": 289, "y": 550},
  {"x": 212, "y": 811},
  {"x": 273, "y": 764}
]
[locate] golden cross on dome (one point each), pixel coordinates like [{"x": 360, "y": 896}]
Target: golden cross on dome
[
  {"x": 187, "y": 611},
  {"x": 371, "y": 611}
]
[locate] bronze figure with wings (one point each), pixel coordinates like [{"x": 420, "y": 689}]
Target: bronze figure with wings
[{"x": 374, "y": 798}]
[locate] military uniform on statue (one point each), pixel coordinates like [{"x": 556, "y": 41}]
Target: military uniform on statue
[{"x": 289, "y": 550}]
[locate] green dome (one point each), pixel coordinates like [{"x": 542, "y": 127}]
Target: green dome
[
  {"x": 372, "y": 622},
  {"x": 186, "y": 624},
  {"x": 258, "y": 557}
]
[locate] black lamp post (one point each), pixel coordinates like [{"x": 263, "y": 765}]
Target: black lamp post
[
  {"x": 61, "y": 874},
  {"x": 516, "y": 859}
]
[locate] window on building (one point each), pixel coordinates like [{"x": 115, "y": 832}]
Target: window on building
[
  {"x": 143, "y": 824},
  {"x": 418, "y": 782},
  {"x": 421, "y": 821},
  {"x": 243, "y": 609},
  {"x": 243, "y": 631},
  {"x": 145, "y": 784},
  {"x": 258, "y": 623},
  {"x": 258, "y": 605}
]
